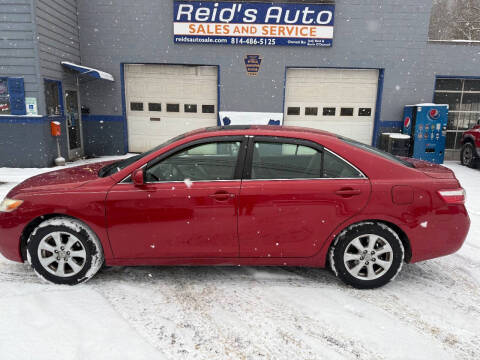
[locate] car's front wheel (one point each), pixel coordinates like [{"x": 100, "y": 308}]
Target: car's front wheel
[
  {"x": 367, "y": 255},
  {"x": 467, "y": 155},
  {"x": 64, "y": 251}
]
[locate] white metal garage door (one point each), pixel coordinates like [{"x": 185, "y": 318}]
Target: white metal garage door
[
  {"x": 167, "y": 100},
  {"x": 341, "y": 101}
]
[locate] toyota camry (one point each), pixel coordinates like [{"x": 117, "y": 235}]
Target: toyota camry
[{"x": 245, "y": 195}]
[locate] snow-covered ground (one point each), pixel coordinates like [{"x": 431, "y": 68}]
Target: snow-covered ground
[{"x": 430, "y": 311}]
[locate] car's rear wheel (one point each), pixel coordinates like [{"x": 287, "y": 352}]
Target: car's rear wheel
[
  {"x": 467, "y": 155},
  {"x": 64, "y": 251},
  {"x": 367, "y": 255}
]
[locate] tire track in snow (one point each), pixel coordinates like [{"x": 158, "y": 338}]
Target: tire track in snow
[
  {"x": 436, "y": 280},
  {"x": 199, "y": 295}
]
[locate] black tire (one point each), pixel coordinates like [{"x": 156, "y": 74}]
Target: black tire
[
  {"x": 467, "y": 155},
  {"x": 84, "y": 242},
  {"x": 370, "y": 274}
]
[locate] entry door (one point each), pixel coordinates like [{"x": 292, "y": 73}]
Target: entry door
[
  {"x": 187, "y": 208},
  {"x": 296, "y": 196},
  {"x": 74, "y": 124}
]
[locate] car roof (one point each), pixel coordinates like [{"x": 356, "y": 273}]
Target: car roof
[{"x": 259, "y": 129}]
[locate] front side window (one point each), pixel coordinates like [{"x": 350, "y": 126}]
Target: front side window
[
  {"x": 285, "y": 161},
  {"x": 204, "y": 162}
]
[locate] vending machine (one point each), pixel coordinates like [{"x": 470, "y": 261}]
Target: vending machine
[{"x": 427, "y": 126}]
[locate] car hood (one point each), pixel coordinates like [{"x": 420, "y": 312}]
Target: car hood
[
  {"x": 433, "y": 170},
  {"x": 60, "y": 180}
]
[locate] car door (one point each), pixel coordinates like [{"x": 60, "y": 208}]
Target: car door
[
  {"x": 294, "y": 194},
  {"x": 187, "y": 207}
]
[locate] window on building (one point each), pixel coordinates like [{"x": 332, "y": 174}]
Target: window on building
[
  {"x": 346, "y": 111},
  {"x": 293, "y": 110},
  {"x": 136, "y": 106},
  {"x": 154, "y": 107},
  {"x": 208, "y": 109},
  {"x": 52, "y": 98},
  {"x": 311, "y": 111},
  {"x": 190, "y": 108},
  {"x": 463, "y": 99},
  {"x": 328, "y": 111},
  {"x": 4, "y": 97},
  {"x": 364, "y": 111},
  {"x": 173, "y": 107}
]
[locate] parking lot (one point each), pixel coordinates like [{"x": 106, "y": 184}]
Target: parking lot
[{"x": 430, "y": 311}]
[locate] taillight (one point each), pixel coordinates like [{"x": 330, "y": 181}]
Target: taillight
[{"x": 456, "y": 196}]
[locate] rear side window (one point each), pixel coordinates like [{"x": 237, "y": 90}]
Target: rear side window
[
  {"x": 335, "y": 167},
  {"x": 285, "y": 161}
]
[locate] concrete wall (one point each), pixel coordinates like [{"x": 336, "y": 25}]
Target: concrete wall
[
  {"x": 18, "y": 54},
  {"x": 389, "y": 34},
  {"x": 26, "y": 142}
]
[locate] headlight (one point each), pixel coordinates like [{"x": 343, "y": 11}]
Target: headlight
[{"x": 8, "y": 205}]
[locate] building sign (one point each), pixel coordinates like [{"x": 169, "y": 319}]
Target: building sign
[
  {"x": 253, "y": 23},
  {"x": 31, "y": 105},
  {"x": 252, "y": 63}
]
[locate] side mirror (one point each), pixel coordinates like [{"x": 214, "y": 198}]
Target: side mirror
[{"x": 137, "y": 177}]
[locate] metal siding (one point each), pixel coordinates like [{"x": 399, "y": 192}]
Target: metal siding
[
  {"x": 58, "y": 38},
  {"x": 18, "y": 55}
]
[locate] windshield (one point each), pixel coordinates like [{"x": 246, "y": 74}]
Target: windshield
[
  {"x": 115, "y": 167},
  {"x": 375, "y": 151}
]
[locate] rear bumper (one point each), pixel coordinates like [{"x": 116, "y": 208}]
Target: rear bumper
[{"x": 441, "y": 234}]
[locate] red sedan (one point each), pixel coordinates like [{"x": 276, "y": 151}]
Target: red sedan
[{"x": 250, "y": 195}]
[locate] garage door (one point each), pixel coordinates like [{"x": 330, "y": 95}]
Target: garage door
[
  {"x": 341, "y": 101},
  {"x": 167, "y": 100}
]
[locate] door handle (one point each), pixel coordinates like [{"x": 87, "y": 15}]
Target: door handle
[
  {"x": 348, "y": 192},
  {"x": 222, "y": 195}
]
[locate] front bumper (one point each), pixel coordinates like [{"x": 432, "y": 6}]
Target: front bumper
[{"x": 11, "y": 228}]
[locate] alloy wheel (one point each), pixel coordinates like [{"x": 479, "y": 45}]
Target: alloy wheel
[
  {"x": 61, "y": 254},
  {"x": 368, "y": 257}
]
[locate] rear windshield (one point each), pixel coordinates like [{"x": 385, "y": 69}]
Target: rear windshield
[{"x": 376, "y": 151}]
